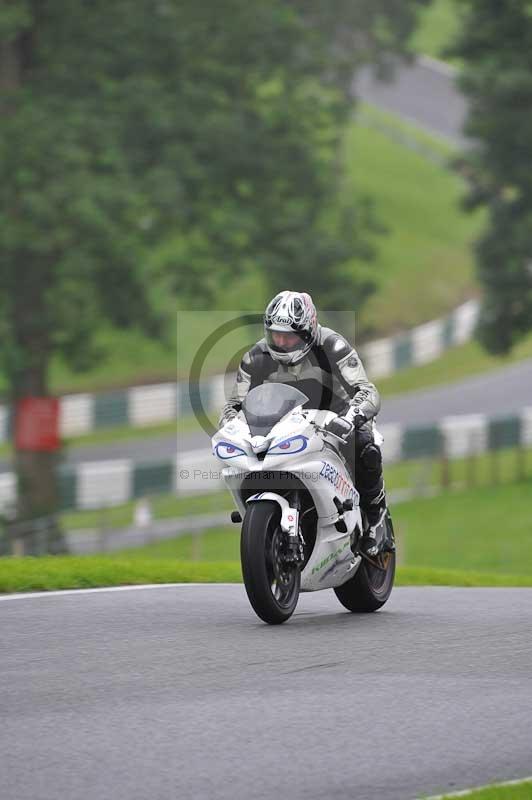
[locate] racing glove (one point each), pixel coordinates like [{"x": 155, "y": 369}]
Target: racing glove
[
  {"x": 341, "y": 427},
  {"x": 355, "y": 416}
]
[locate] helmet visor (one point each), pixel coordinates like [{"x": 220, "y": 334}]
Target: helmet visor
[{"x": 286, "y": 341}]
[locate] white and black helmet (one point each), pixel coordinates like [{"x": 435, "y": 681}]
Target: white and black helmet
[{"x": 291, "y": 313}]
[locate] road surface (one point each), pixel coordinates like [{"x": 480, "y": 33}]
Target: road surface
[{"x": 181, "y": 692}]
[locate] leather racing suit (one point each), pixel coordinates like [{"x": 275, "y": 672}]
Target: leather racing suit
[{"x": 333, "y": 378}]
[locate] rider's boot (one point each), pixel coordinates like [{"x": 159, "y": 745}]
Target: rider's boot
[{"x": 375, "y": 511}]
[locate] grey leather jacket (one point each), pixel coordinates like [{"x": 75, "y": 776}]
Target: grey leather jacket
[{"x": 331, "y": 375}]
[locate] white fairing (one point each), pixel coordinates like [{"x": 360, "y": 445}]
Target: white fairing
[{"x": 311, "y": 456}]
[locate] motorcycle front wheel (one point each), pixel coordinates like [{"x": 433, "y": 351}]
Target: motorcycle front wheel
[{"x": 272, "y": 584}]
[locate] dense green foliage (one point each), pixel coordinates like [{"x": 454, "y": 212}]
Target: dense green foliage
[
  {"x": 151, "y": 152},
  {"x": 496, "y": 47},
  {"x": 155, "y": 148},
  {"x": 388, "y": 161}
]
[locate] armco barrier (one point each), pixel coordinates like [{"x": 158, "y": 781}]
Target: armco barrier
[
  {"x": 100, "y": 484},
  {"x": 165, "y": 402}
]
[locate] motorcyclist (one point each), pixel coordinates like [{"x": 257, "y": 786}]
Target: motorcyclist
[{"x": 299, "y": 352}]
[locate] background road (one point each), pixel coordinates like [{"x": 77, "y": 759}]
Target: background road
[
  {"x": 181, "y": 692},
  {"x": 497, "y": 393},
  {"x": 423, "y": 93}
]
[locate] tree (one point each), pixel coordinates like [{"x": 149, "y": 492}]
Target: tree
[
  {"x": 496, "y": 48},
  {"x": 82, "y": 200},
  {"x": 162, "y": 146},
  {"x": 277, "y": 112}
]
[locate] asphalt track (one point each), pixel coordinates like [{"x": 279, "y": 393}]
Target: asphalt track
[{"x": 180, "y": 692}]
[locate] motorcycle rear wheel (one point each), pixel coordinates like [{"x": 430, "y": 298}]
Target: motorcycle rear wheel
[
  {"x": 372, "y": 583},
  {"x": 272, "y": 585}
]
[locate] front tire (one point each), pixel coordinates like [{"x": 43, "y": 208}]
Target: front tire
[
  {"x": 372, "y": 583},
  {"x": 272, "y": 585}
]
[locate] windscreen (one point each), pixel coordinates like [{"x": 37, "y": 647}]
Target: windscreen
[{"x": 265, "y": 405}]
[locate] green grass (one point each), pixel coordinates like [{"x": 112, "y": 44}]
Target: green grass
[
  {"x": 479, "y": 537},
  {"x": 69, "y": 572},
  {"x": 488, "y": 529},
  {"x": 517, "y": 791},
  {"x": 128, "y": 358},
  {"x": 430, "y": 145},
  {"x": 438, "y": 25},
  {"x": 424, "y": 264}
]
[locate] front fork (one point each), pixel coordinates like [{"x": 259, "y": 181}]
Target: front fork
[
  {"x": 295, "y": 553},
  {"x": 293, "y": 541}
]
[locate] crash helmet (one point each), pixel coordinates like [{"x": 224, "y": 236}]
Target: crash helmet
[{"x": 290, "y": 326}]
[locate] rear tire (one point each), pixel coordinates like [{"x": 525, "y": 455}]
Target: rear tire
[
  {"x": 271, "y": 585},
  {"x": 370, "y": 586}
]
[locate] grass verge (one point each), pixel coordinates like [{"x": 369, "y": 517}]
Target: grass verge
[
  {"x": 69, "y": 572},
  {"x": 486, "y": 532},
  {"x": 435, "y": 148},
  {"x": 488, "y": 529},
  {"x": 479, "y": 532},
  {"x": 516, "y": 790}
]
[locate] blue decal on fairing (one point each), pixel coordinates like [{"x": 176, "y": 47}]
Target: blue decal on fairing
[
  {"x": 294, "y": 444},
  {"x": 227, "y": 450}
]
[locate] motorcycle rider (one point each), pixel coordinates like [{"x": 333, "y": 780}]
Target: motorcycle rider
[{"x": 299, "y": 352}]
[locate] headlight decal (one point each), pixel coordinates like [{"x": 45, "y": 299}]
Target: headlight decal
[
  {"x": 294, "y": 444},
  {"x": 227, "y": 450}
]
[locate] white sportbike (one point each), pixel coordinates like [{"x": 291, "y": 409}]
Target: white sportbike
[{"x": 300, "y": 514}]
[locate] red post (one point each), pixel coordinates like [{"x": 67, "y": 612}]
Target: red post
[{"x": 37, "y": 424}]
